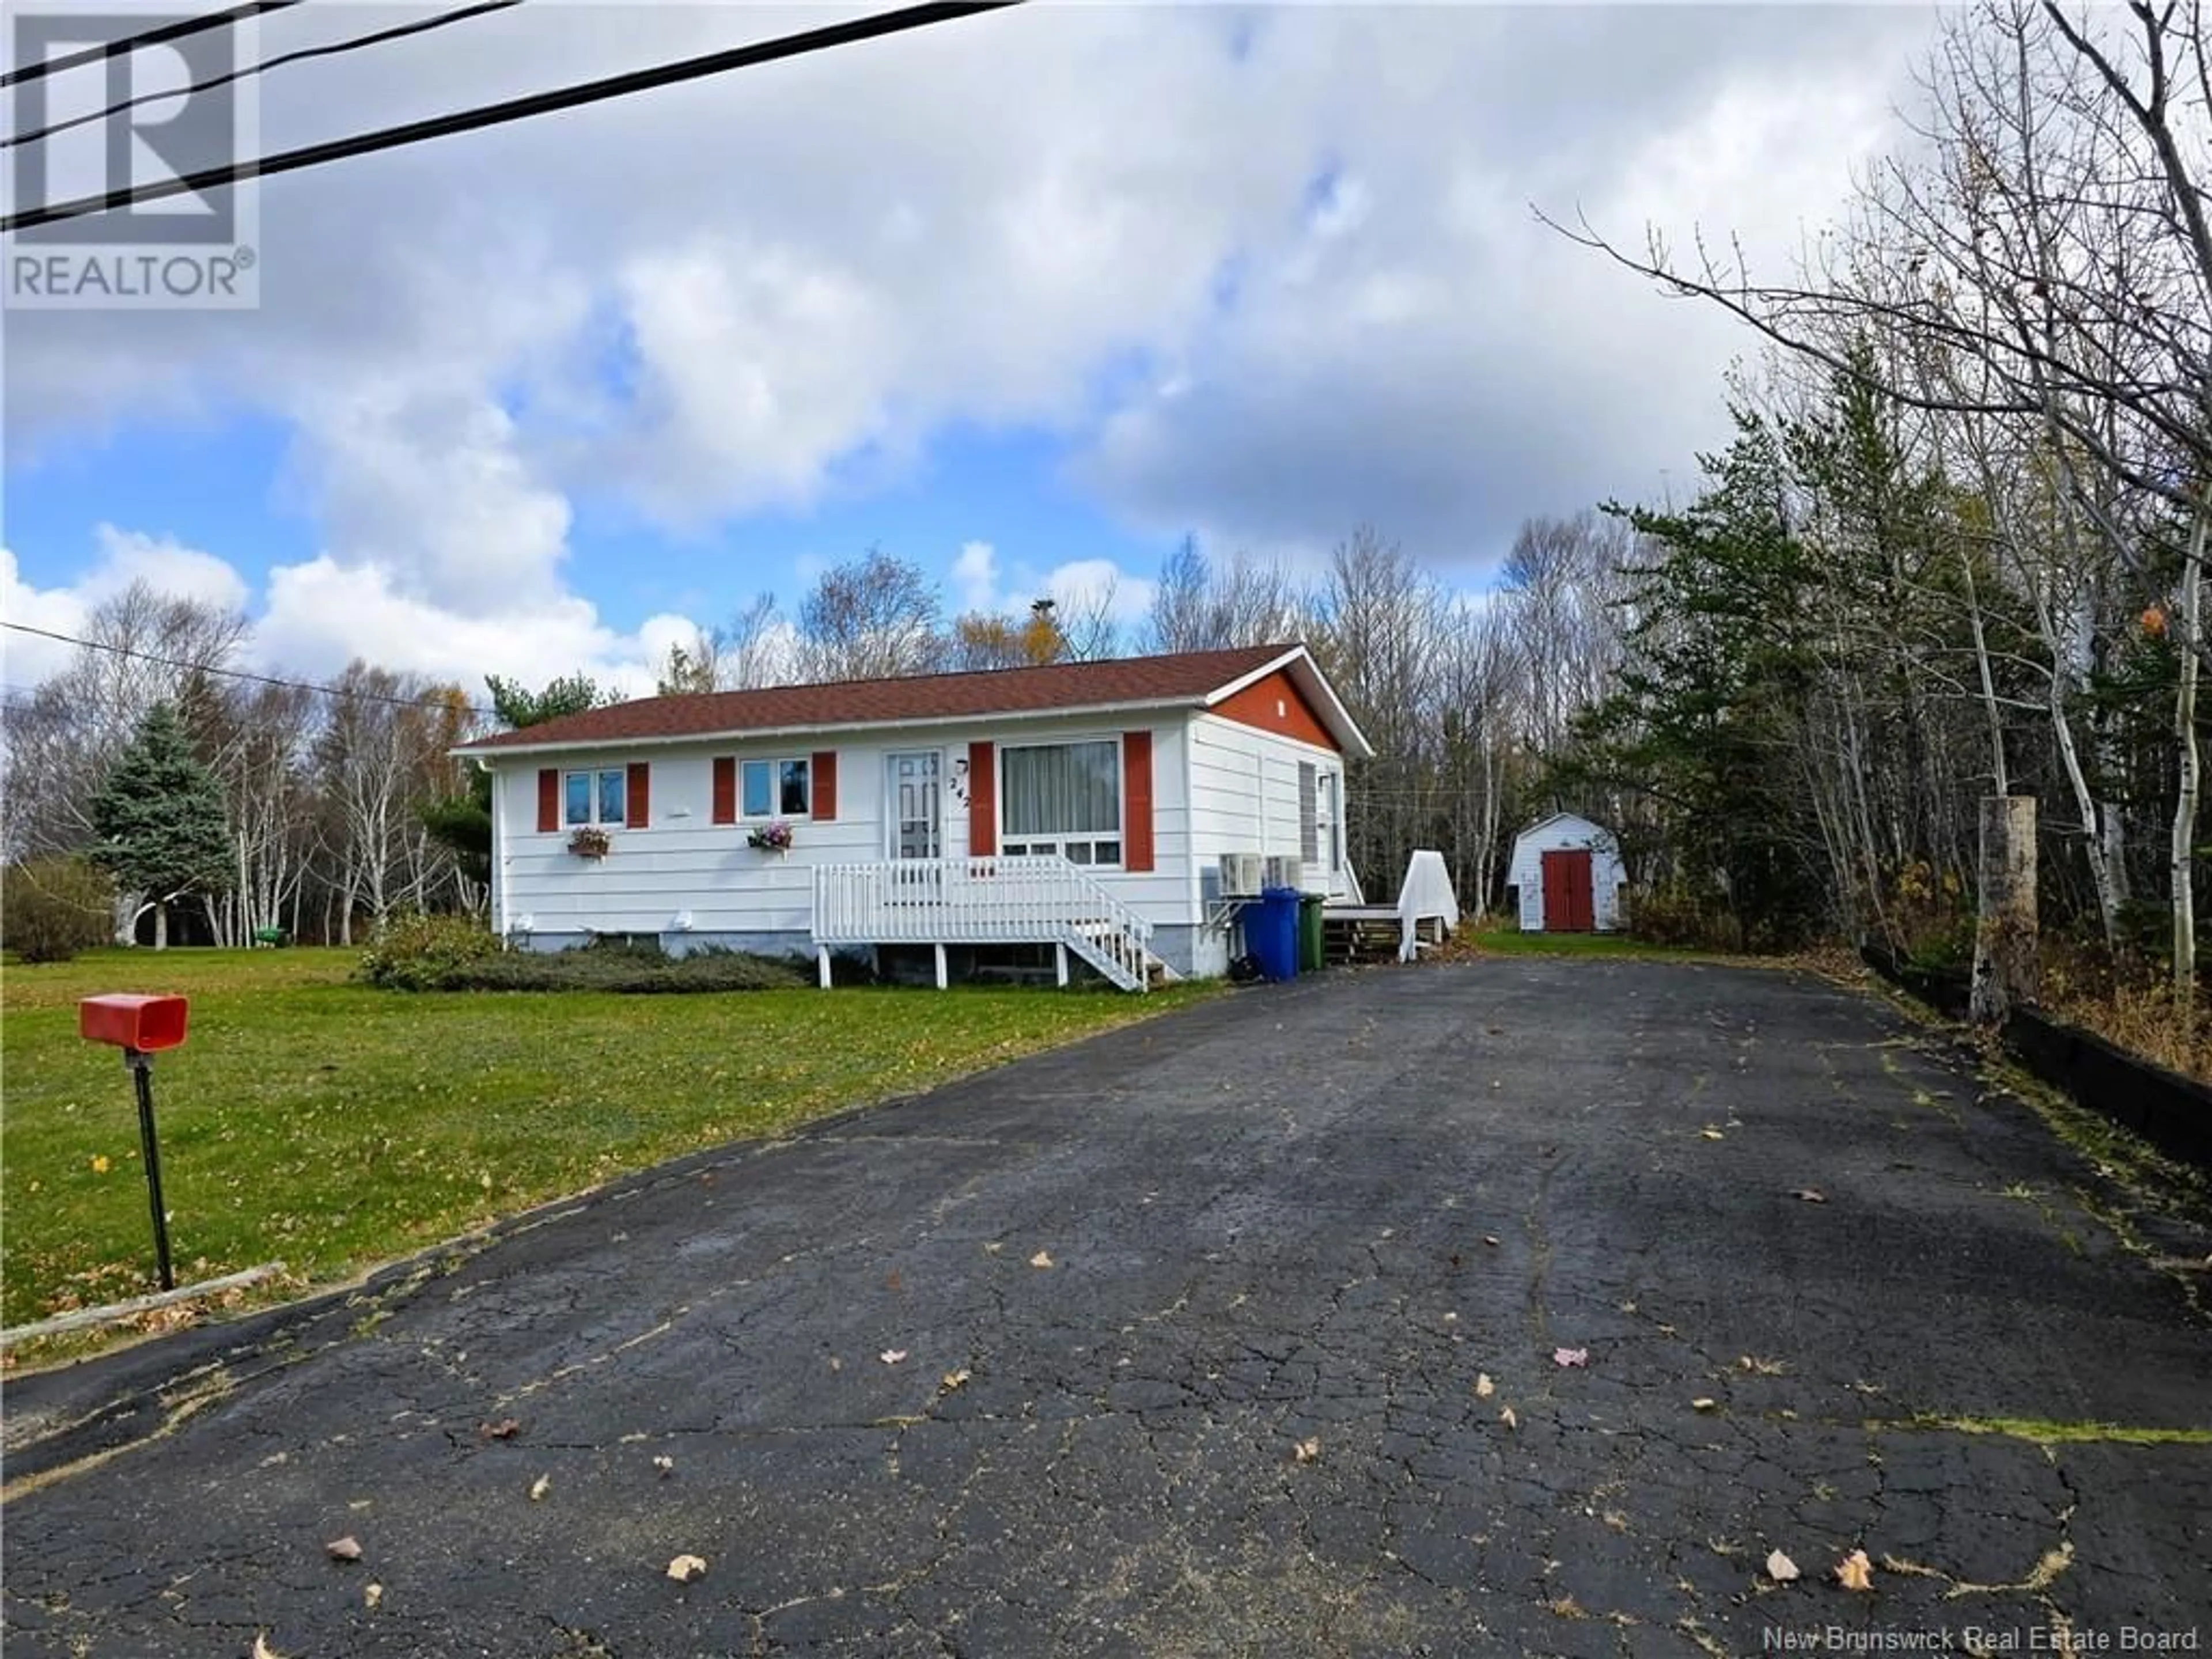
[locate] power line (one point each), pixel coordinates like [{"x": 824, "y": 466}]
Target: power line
[
  {"x": 181, "y": 29},
  {"x": 516, "y": 109},
  {"x": 331, "y": 49},
  {"x": 430, "y": 701}
]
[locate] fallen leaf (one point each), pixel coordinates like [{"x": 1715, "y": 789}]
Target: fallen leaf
[
  {"x": 666, "y": 1465},
  {"x": 372, "y": 1595},
  {"x": 1855, "y": 1571},
  {"x": 1571, "y": 1356},
  {"x": 685, "y": 1568},
  {"x": 540, "y": 1486},
  {"x": 262, "y": 1649},
  {"x": 1306, "y": 1451},
  {"x": 1705, "y": 1405},
  {"x": 1780, "y": 1568},
  {"x": 993, "y": 1247},
  {"x": 1507, "y": 1418},
  {"x": 506, "y": 1429},
  {"x": 1810, "y": 1194},
  {"x": 1484, "y": 1387},
  {"x": 892, "y": 1281},
  {"x": 100, "y": 1165},
  {"x": 345, "y": 1549},
  {"x": 954, "y": 1379},
  {"x": 1041, "y": 1259},
  {"x": 892, "y": 1356}
]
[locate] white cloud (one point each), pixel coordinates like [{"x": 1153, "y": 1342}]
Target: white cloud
[
  {"x": 1082, "y": 584},
  {"x": 322, "y": 613},
  {"x": 164, "y": 563},
  {"x": 27, "y": 659},
  {"x": 122, "y": 557},
  {"x": 975, "y": 576},
  {"x": 1101, "y": 222},
  {"x": 1423, "y": 355},
  {"x": 424, "y": 485}
]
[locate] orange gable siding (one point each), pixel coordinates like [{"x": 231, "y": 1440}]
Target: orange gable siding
[{"x": 1275, "y": 704}]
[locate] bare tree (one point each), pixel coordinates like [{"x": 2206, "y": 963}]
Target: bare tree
[
  {"x": 759, "y": 648},
  {"x": 383, "y": 749},
  {"x": 871, "y": 619},
  {"x": 1201, "y": 606}
]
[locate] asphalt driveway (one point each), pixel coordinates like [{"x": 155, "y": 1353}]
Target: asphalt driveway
[{"x": 1233, "y": 1333}]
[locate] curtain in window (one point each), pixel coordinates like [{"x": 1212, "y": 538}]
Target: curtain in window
[{"x": 1065, "y": 789}]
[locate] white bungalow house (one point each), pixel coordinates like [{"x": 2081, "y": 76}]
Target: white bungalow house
[
  {"x": 1122, "y": 811},
  {"x": 1568, "y": 876}
]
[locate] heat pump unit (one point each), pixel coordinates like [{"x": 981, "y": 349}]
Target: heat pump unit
[
  {"x": 1240, "y": 875},
  {"x": 1283, "y": 872}
]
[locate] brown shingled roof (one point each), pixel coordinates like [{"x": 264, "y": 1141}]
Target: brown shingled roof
[{"x": 1189, "y": 676}]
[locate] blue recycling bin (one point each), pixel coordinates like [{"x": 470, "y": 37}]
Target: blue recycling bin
[{"x": 1271, "y": 931}]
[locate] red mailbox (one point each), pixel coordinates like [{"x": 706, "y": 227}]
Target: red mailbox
[
  {"x": 141, "y": 1027},
  {"x": 148, "y": 1024}
]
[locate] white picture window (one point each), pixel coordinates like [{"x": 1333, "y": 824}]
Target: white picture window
[
  {"x": 1064, "y": 798},
  {"x": 776, "y": 788},
  {"x": 592, "y": 797}
]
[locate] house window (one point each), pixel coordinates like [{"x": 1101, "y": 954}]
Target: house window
[
  {"x": 592, "y": 797},
  {"x": 1062, "y": 797},
  {"x": 778, "y": 788}
]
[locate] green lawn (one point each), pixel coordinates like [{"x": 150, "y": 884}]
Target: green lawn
[{"x": 331, "y": 1126}]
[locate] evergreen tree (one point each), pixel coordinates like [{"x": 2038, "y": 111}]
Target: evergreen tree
[
  {"x": 158, "y": 815},
  {"x": 1713, "y": 697}
]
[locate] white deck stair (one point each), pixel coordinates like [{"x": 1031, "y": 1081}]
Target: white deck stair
[{"x": 984, "y": 901}]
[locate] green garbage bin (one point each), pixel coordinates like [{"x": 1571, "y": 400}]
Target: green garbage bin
[{"x": 1311, "y": 955}]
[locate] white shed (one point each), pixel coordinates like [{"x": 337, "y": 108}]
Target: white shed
[{"x": 1568, "y": 875}]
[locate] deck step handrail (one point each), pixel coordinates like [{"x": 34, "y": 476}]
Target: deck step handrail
[{"x": 983, "y": 900}]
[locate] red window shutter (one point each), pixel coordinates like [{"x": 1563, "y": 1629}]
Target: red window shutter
[
  {"x": 1136, "y": 800},
  {"x": 825, "y": 783},
  {"x": 982, "y": 801},
  {"x": 637, "y": 796},
  {"x": 725, "y": 789},
  {"x": 548, "y": 800}
]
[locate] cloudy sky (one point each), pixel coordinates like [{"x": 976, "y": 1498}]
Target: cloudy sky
[{"x": 1025, "y": 298}]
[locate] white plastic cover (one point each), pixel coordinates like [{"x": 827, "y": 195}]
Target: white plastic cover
[{"x": 1427, "y": 892}]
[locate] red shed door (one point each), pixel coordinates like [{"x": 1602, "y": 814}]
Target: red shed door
[{"x": 1569, "y": 905}]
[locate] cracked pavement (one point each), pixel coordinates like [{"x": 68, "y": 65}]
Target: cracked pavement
[{"x": 1311, "y": 1215}]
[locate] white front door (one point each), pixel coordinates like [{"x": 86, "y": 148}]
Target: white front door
[{"x": 917, "y": 814}]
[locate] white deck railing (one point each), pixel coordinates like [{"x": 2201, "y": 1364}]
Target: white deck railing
[{"x": 981, "y": 900}]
